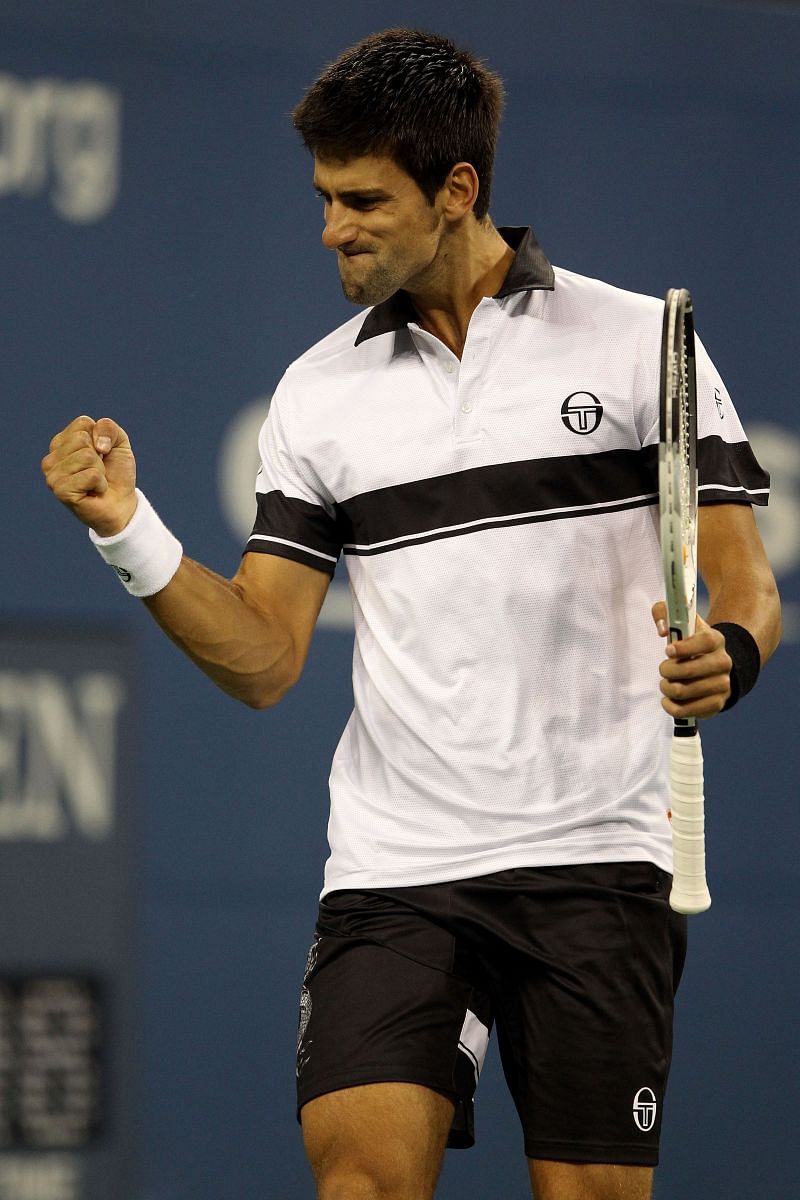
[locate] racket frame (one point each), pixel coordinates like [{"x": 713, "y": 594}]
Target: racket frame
[{"x": 678, "y": 528}]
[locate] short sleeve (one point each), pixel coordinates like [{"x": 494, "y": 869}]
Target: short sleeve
[
  {"x": 292, "y": 519},
  {"x": 727, "y": 469}
]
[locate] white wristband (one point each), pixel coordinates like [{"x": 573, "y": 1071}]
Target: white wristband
[{"x": 145, "y": 555}]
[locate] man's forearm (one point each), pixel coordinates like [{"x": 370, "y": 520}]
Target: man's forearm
[
  {"x": 247, "y": 654},
  {"x": 736, "y": 571},
  {"x": 751, "y": 600}
]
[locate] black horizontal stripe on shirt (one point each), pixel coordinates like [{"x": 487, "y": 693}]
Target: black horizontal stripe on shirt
[
  {"x": 498, "y": 496},
  {"x": 437, "y": 535}
]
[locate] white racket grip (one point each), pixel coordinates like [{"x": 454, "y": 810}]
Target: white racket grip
[{"x": 689, "y": 888}]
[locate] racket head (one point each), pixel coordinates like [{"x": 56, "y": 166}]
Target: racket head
[{"x": 677, "y": 463}]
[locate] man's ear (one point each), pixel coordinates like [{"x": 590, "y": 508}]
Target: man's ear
[{"x": 459, "y": 192}]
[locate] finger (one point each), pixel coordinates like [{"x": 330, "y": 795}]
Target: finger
[
  {"x": 710, "y": 706},
  {"x": 700, "y": 667},
  {"x": 659, "y": 612},
  {"x": 703, "y": 641},
  {"x": 68, "y": 442},
  {"x": 80, "y": 427},
  {"x": 75, "y": 453},
  {"x": 706, "y": 633},
  {"x": 696, "y": 689},
  {"x": 75, "y": 486},
  {"x": 107, "y": 435}
]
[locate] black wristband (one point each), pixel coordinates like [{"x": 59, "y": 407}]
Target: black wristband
[{"x": 741, "y": 646}]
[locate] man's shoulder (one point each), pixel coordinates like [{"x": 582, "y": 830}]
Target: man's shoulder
[
  {"x": 336, "y": 351},
  {"x": 588, "y": 294},
  {"x": 332, "y": 372}
]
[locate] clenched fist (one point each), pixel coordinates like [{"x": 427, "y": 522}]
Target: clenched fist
[{"x": 91, "y": 469}]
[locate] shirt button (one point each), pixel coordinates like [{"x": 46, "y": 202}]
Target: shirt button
[
  {"x": 466, "y": 407},
  {"x": 449, "y": 367}
]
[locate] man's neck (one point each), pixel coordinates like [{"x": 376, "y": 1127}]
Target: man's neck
[{"x": 472, "y": 263}]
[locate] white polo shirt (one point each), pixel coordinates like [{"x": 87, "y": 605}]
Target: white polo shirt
[{"x": 498, "y": 516}]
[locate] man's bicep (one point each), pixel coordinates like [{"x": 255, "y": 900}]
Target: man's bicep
[
  {"x": 286, "y": 591},
  {"x": 729, "y": 543}
]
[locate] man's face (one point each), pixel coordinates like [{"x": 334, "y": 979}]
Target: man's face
[{"x": 385, "y": 233}]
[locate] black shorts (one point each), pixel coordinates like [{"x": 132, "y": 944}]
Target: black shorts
[{"x": 576, "y": 966}]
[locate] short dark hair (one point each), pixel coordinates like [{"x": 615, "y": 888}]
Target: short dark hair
[{"x": 412, "y": 96}]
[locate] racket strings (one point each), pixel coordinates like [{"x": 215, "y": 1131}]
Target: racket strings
[
  {"x": 686, "y": 475},
  {"x": 684, "y": 449}
]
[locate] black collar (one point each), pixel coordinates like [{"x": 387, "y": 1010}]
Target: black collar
[{"x": 529, "y": 270}]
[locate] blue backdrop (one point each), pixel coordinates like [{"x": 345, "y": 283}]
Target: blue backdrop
[{"x": 161, "y": 263}]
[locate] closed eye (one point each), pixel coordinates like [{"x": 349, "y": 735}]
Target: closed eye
[{"x": 360, "y": 201}]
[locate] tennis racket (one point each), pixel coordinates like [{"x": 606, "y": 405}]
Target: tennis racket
[{"x": 677, "y": 472}]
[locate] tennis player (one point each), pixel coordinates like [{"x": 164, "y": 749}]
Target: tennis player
[{"x": 481, "y": 446}]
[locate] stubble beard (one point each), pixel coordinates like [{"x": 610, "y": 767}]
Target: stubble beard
[{"x": 380, "y": 283}]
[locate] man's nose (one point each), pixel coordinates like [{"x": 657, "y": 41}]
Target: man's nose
[{"x": 339, "y": 227}]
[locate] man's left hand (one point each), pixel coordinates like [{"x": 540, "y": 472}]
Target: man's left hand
[{"x": 695, "y": 675}]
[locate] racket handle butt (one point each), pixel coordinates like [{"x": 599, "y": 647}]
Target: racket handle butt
[
  {"x": 690, "y": 892},
  {"x": 690, "y": 903}
]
